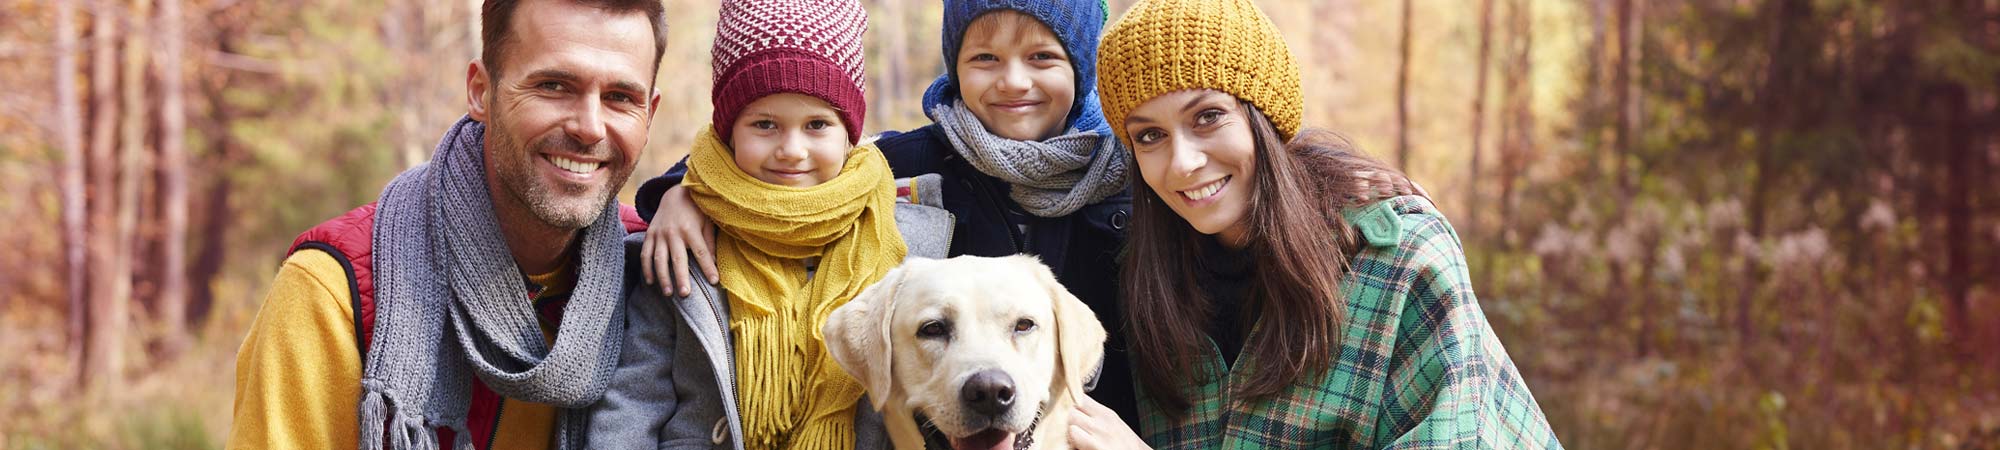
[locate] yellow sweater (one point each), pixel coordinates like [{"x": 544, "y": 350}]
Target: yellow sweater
[{"x": 298, "y": 375}]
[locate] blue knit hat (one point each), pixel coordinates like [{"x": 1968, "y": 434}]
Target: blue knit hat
[{"x": 1077, "y": 23}]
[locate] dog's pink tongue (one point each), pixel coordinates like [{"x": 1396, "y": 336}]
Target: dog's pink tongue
[{"x": 992, "y": 439}]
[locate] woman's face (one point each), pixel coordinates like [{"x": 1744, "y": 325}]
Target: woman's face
[
  {"x": 1196, "y": 150},
  {"x": 789, "y": 139},
  {"x": 1015, "y": 76}
]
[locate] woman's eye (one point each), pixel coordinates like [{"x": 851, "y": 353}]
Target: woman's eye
[
  {"x": 1208, "y": 117},
  {"x": 1148, "y": 136},
  {"x": 1024, "y": 325}
]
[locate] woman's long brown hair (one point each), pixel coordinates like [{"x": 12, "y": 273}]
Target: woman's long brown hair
[{"x": 1300, "y": 244}]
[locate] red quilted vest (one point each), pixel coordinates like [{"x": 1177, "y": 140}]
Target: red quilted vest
[{"x": 350, "y": 239}]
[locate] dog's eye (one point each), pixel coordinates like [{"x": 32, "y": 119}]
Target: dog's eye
[
  {"x": 933, "y": 329},
  {"x": 1024, "y": 325}
]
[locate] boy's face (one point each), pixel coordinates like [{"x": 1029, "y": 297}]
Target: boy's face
[
  {"x": 789, "y": 139},
  {"x": 1015, "y": 76}
]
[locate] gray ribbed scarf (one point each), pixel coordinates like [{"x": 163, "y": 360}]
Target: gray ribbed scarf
[
  {"x": 450, "y": 304},
  {"x": 1052, "y": 177}
]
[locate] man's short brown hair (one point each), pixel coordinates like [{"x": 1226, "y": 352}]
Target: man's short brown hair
[{"x": 496, "y": 26}]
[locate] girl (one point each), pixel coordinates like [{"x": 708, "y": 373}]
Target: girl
[
  {"x": 1270, "y": 304},
  {"x": 805, "y": 219}
]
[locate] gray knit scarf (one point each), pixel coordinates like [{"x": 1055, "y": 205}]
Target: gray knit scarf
[
  {"x": 450, "y": 304},
  {"x": 1052, "y": 177}
]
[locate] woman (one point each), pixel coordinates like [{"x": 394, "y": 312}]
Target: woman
[{"x": 1269, "y": 304}]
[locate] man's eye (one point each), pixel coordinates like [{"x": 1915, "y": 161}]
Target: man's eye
[
  {"x": 550, "y": 86},
  {"x": 619, "y": 97}
]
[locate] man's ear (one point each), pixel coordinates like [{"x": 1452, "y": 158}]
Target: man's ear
[
  {"x": 653, "y": 106},
  {"x": 857, "y": 336},
  {"x": 1079, "y": 335},
  {"x": 479, "y": 85}
]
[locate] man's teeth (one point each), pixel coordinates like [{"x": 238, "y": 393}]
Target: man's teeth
[
  {"x": 573, "y": 166},
  {"x": 1204, "y": 191}
]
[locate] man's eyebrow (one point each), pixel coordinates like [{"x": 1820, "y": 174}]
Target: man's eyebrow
[{"x": 564, "y": 75}]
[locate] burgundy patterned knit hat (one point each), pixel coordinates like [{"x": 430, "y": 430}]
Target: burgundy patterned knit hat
[{"x": 811, "y": 47}]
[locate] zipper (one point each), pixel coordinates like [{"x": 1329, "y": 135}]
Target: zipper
[{"x": 715, "y": 306}]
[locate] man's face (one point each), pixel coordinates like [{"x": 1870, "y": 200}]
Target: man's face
[{"x": 566, "y": 116}]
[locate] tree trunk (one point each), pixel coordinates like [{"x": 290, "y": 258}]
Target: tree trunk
[
  {"x": 69, "y": 112},
  {"x": 173, "y": 178},
  {"x": 1958, "y": 210},
  {"x": 1774, "y": 119},
  {"x": 1403, "y": 94},
  {"x": 103, "y": 327},
  {"x": 1622, "y": 83},
  {"x": 132, "y": 161},
  {"x": 1478, "y": 116}
]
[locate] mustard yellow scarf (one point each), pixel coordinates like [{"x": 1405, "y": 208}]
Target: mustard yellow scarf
[{"x": 791, "y": 393}]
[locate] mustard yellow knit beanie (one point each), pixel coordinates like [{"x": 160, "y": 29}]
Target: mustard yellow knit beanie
[{"x": 1165, "y": 46}]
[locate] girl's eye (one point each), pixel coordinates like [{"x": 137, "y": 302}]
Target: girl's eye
[
  {"x": 764, "y": 125},
  {"x": 818, "y": 125}
]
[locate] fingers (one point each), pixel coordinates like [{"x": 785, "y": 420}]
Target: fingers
[
  {"x": 704, "y": 253},
  {"x": 646, "y": 256},
  {"x": 1081, "y": 439},
  {"x": 677, "y": 254}
]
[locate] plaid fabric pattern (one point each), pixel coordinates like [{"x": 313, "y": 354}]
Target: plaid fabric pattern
[{"x": 1419, "y": 366}]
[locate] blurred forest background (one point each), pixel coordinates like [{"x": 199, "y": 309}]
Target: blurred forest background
[{"x": 1695, "y": 223}]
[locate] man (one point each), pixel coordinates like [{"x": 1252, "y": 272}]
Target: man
[{"x": 477, "y": 303}]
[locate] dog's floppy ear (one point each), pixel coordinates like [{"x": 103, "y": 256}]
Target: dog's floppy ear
[
  {"x": 1079, "y": 335},
  {"x": 857, "y": 336}
]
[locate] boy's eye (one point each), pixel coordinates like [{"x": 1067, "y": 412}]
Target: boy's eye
[
  {"x": 983, "y": 57},
  {"x": 1045, "y": 56}
]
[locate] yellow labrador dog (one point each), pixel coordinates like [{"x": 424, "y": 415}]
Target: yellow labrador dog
[{"x": 969, "y": 352}]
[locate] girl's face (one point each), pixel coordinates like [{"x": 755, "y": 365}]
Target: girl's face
[
  {"x": 1195, "y": 149},
  {"x": 789, "y": 139},
  {"x": 1015, "y": 76}
]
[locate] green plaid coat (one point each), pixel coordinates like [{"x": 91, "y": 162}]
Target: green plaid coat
[{"x": 1419, "y": 367}]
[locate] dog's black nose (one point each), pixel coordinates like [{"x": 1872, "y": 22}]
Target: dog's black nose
[{"x": 988, "y": 392}]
